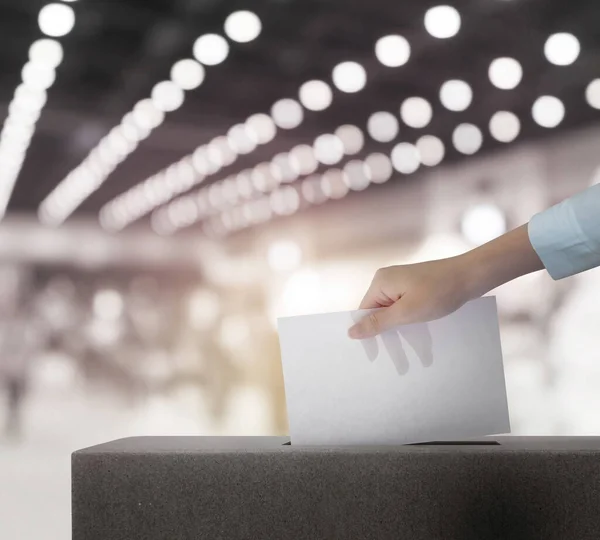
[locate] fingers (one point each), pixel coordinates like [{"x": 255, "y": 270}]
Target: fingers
[
  {"x": 370, "y": 299},
  {"x": 379, "y": 321}
]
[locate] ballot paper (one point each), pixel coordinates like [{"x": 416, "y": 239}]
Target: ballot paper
[{"x": 439, "y": 381}]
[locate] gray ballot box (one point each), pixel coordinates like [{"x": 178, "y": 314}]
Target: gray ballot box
[{"x": 260, "y": 488}]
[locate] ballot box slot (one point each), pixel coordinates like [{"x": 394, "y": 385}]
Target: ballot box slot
[{"x": 442, "y": 443}]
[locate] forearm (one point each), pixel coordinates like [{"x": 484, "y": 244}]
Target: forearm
[{"x": 506, "y": 258}]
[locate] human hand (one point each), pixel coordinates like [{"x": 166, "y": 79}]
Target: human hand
[{"x": 413, "y": 293}]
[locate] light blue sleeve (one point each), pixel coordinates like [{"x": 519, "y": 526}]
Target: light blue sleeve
[{"x": 566, "y": 237}]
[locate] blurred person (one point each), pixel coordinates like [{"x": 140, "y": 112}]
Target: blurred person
[
  {"x": 565, "y": 240},
  {"x": 20, "y": 341}
]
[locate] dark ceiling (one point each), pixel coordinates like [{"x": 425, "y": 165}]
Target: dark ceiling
[{"x": 119, "y": 49}]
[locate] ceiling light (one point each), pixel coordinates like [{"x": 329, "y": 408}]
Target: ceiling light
[
  {"x": 378, "y": 168},
  {"x": 211, "y": 49},
  {"x": 505, "y": 73},
  {"x": 592, "y": 94},
  {"x": 261, "y": 128},
  {"x": 187, "y": 74},
  {"x": 442, "y": 21},
  {"x": 287, "y": 113},
  {"x": 333, "y": 184},
  {"x": 483, "y": 223},
  {"x": 167, "y": 96},
  {"x": 38, "y": 77},
  {"x": 242, "y": 26},
  {"x": 239, "y": 140},
  {"x": 548, "y": 111},
  {"x": 46, "y": 52},
  {"x": 284, "y": 255},
  {"x": 328, "y": 149},
  {"x": 416, "y": 112},
  {"x": 405, "y": 158},
  {"x": 467, "y": 138},
  {"x": 281, "y": 168},
  {"x": 312, "y": 190},
  {"x": 349, "y": 77},
  {"x": 146, "y": 115},
  {"x": 392, "y": 51},
  {"x": 355, "y": 175},
  {"x": 562, "y": 49},
  {"x": 56, "y": 20},
  {"x": 285, "y": 201},
  {"x": 456, "y": 95},
  {"x": 382, "y": 126},
  {"x": 352, "y": 139},
  {"x": 303, "y": 160},
  {"x": 505, "y": 126},
  {"x": 221, "y": 153},
  {"x": 431, "y": 150},
  {"x": 315, "y": 95}
]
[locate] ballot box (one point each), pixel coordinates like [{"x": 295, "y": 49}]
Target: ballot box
[{"x": 263, "y": 488}]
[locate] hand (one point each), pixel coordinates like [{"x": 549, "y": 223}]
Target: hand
[
  {"x": 413, "y": 293},
  {"x": 427, "y": 291}
]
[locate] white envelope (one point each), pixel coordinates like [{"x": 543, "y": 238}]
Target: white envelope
[{"x": 443, "y": 380}]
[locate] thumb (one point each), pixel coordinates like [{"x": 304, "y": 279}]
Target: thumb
[{"x": 379, "y": 321}]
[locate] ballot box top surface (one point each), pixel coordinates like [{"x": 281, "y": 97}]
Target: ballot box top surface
[{"x": 211, "y": 445}]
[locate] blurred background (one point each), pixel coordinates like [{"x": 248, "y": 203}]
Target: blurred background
[{"x": 176, "y": 174}]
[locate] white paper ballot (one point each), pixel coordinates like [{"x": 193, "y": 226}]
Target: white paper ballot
[{"x": 443, "y": 380}]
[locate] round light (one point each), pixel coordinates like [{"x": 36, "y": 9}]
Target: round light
[
  {"x": 261, "y": 128},
  {"x": 108, "y": 305},
  {"x": 456, "y": 95},
  {"x": 242, "y": 26},
  {"x": 467, "y": 139},
  {"x": 284, "y": 255},
  {"x": 431, "y": 150},
  {"x": 548, "y": 111},
  {"x": 392, "y": 51},
  {"x": 349, "y": 77},
  {"x": 167, "y": 96},
  {"x": 405, "y": 158},
  {"x": 303, "y": 160},
  {"x": 355, "y": 175},
  {"x": 38, "y": 77},
  {"x": 146, "y": 115},
  {"x": 382, "y": 126},
  {"x": 211, "y": 49},
  {"x": 416, "y": 112},
  {"x": 333, "y": 184},
  {"x": 592, "y": 94},
  {"x": 221, "y": 152},
  {"x": 284, "y": 201},
  {"x": 483, "y": 223},
  {"x": 239, "y": 139},
  {"x": 352, "y": 139},
  {"x": 46, "y": 52},
  {"x": 281, "y": 168},
  {"x": 505, "y": 73},
  {"x": 442, "y": 21},
  {"x": 29, "y": 99},
  {"x": 312, "y": 190},
  {"x": 56, "y": 20},
  {"x": 263, "y": 179},
  {"x": 187, "y": 74},
  {"x": 378, "y": 168},
  {"x": 287, "y": 113},
  {"x": 328, "y": 149},
  {"x": 562, "y": 49},
  {"x": 315, "y": 95},
  {"x": 505, "y": 126}
]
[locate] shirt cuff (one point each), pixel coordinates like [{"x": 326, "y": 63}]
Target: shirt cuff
[{"x": 559, "y": 241}]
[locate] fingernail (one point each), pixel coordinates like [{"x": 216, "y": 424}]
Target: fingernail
[{"x": 354, "y": 332}]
